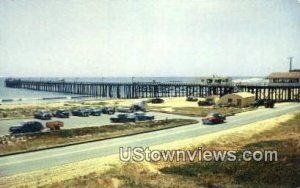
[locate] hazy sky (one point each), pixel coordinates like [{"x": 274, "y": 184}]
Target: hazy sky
[{"x": 148, "y": 38}]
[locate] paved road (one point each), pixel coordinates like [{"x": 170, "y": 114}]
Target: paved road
[
  {"x": 44, "y": 159},
  {"x": 73, "y": 121}
]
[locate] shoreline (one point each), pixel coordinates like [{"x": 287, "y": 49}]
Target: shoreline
[{"x": 68, "y": 98}]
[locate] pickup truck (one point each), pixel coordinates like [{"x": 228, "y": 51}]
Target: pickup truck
[
  {"x": 54, "y": 125},
  {"x": 122, "y": 118},
  {"x": 27, "y": 127}
]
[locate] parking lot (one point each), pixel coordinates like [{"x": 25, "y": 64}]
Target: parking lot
[{"x": 77, "y": 122}]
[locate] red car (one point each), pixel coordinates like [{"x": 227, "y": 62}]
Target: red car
[{"x": 213, "y": 118}]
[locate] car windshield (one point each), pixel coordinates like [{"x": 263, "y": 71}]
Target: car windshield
[
  {"x": 214, "y": 115},
  {"x": 45, "y": 111}
]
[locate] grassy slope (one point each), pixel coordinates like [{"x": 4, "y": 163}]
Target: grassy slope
[{"x": 284, "y": 173}]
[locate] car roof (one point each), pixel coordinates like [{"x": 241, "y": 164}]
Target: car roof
[
  {"x": 30, "y": 121},
  {"x": 214, "y": 113}
]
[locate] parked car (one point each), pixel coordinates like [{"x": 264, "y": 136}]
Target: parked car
[
  {"x": 95, "y": 111},
  {"x": 139, "y": 105},
  {"x": 258, "y": 102},
  {"x": 61, "y": 113},
  {"x": 123, "y": 118},
  {"x": 82, "y": 112},
  {"x": 54, "y": 125},
  {"x": 269, "y": 103},
  {"x": 213, "y": 118},
  {"x": 43, "y": 114},
  {"x": 135, "y": 108},
  {"x": 157, "y": 101},
  {"x": 108, "y": 110},
  {"x": 192, "y": 99},
  {"x": 141, "y": 116},
  {"x": 124, "y": 110},
  {"x": 207, "y": 102},
  {"x": 27, "y": 127}
]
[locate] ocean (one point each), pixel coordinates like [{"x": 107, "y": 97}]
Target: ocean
[{"x": 23, "y": 95}]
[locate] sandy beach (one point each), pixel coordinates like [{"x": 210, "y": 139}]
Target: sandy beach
[{"x": 25, "y": 110}]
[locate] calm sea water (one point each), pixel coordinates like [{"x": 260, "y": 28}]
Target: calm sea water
[{"x": 11, "y": 93}]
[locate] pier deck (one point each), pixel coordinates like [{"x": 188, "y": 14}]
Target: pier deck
[{"x": 157, "y": 89}]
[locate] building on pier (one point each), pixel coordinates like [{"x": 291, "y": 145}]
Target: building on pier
[
  {"x": 215, "y": 80},
  {"x": 292, "y": 77}
]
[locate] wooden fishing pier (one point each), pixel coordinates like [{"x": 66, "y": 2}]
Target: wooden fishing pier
[{"x": 157, "y": 89}]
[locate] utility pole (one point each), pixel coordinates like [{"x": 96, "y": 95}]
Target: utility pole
[{"x": 291, "y": 63}]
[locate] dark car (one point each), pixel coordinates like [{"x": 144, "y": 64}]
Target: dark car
[
  {"x": 136, "y": 107},
  {"x": 123, "y": 118},
  {"x": 207, "y": 102},
  {"x": 269, "y": 103},
  {"x": 141, "y": 116},
  {"x": 257, "y": 103},
  {"x": 108, "y": 110},
  {"x": 61, "y": 113},
  {"x": 213, "y": 118},
  {"x": 43, "y": 114},
  {"x": 192, "y": 99},
  {"x": 157, "y": 101},
  {"x": 27, "y": 127},
  {"x": 95, "y": 111},
  {"x": 82, "y": 112}
]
